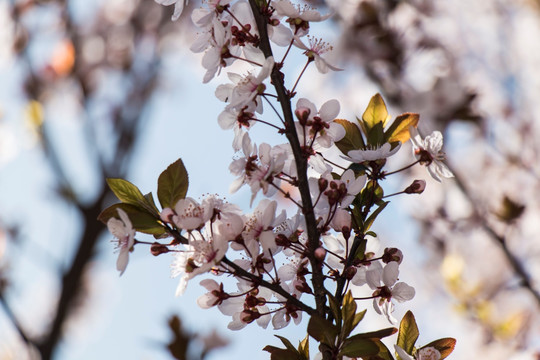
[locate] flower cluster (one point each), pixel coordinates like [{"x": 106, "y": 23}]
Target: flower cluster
[{"x": 277, "y": 260}]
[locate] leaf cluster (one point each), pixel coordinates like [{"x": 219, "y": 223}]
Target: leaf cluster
[{"x": 142, "y": 210}]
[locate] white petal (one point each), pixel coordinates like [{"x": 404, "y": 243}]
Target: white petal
[
  {"x": 402, "y": 354},
  {"x": 390, "y": 273},
  {"x": 403, "y": 292},
  {"x": 122, "y": 261},
  {"x": 329, "y": 110},
  {"x": 206, "y": 301}
]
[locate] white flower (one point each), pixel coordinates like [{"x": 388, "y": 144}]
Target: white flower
[
  {"x": 246, "y": 90},
  {"x": 178, "y": 6},
  {"x": 372, "y": 154},
  {"x": 384, "y": 283},
  {"x": 257, "y": 169},
  {"x": 321, "y": 130},
  {"x": 299, "y": 16},
  {"x": 259, "y": 228},
  {"x": 220, "y": 53},
  {"x": 125, "y": 234},
  {"x": 203, "y": 17},
  {"x": 316, "y": 48},
  {"x": 429, "y": 152},
  {"x": 189, "y": 214},
  {"x": 203, "y": 252},
  {"x": 428, "y": 353}
]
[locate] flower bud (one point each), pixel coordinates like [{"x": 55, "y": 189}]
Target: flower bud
[
  {"x": 350, "y": 272},
  {"x": 417, "y": 187},
  {"x": 392, "y": 254},
  {"x": 323, "y": 184},
  {"x": 167, "y": 215},
  {"x": 320, "y": 253},
  {"x": 302, "y": 113},
  {"x": 158, "y": 249}
]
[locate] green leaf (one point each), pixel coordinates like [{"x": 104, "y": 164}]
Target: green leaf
[
  {"x": 383, "y": 353},
  {"x": 282, "y": 354},
  {"x": 373, "y": 216},
  {"x": 172, "y": 184},
  {"x": 334, "y": 307},
  {"x": 361, "y": 250},
  {"x": 286, "y": 342},
  {"x": 348, "y": 311},
  {"x": 125, "y": 191},
  {"x": 358, "y": 317},
  {"x": 445, "y": 346},
  {"x": 375, "y": 135},
  {"x": 141, "y": 220},
  {"x": 371, "y": 194},
  {"x": 352, "y": 139},
  {"x": 128, "y": 193},
  {"x": 399, "y": 130},
  {"x": 322, "y": 330},
  {"x": 359, "y": 348},
  {"x": 408, "y": 333},
  {"x": 151, "y": 204},
  {"x": 376, "y": 113},
  {"x": 378, "y": 334}
]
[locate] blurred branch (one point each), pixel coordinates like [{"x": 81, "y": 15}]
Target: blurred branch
[
  {"x": 515, "y": 263},
  {"x": 14, "y": 320},
  {"x": 128, "y": 122}
]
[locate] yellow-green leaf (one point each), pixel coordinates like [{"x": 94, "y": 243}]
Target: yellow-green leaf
[
  {"x": 348, "y": 311},
  {"x": 399, "y": 130},
  {"x": 141, "y": 219},
  {"x": 375, "y": 113},
  {"x": 303, "y": 348},
  {"x": 126, "y": 192},
  {"x": 408, "y": 333}
]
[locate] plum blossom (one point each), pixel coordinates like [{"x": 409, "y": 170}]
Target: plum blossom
[
  {"x": 253, "y": 308},
  {"x": 246, "y": 90},
  {"x": 178, "y": 7},
  {"x": 372, "y": 153},
  {"x": 259, "y": 227},
  {"x": 220, "y": 53},
  {"x": 203, "y": 17},
  {"x": 318, "y": 126},
  {"x": 316, "y": 48},
  {"x": 427, "y": 353},
  {"x": 124, "y": 232},
  {"x": 201, "y": 254},
  {"x": 189, "y": 214},
  {"x": 429, "y": 152},
  {"x": 298, "y": 16},
  {"x": 257, "y": 168},
  {"x": 328, "y": 192},
  {"x": 384, "y": 282}
]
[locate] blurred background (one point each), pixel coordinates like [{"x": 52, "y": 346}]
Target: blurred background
[{"x": 91, "y": 89}]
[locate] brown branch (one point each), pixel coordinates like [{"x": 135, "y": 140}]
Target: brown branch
[{"x": 300, "y": 161}]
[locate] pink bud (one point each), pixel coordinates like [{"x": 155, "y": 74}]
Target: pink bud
[
  {"x": 158, "y": 249},
  {"x": 166, "y": 215},
  {"x": 302, "y": 113},
  {"x": 320, "y": 253},
  {"x": 417, "y": 187}
]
